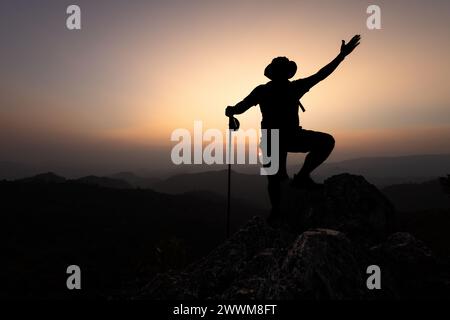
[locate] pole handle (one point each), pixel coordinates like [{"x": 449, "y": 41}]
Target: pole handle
[{"x": 233, "y": 123}]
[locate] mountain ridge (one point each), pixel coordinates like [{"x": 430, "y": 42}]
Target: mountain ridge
[{"x": 419, "y": 172}]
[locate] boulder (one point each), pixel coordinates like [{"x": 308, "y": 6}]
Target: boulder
[
  {"x": 321, "y": 264},
  {"x": 414, "y": 270},
  {"x": 346, "y": 202}
]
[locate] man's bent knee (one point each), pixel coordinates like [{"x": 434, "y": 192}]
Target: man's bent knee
[
  {"x": 330, "y": 142},
  {"x": 327, "y": 142}
]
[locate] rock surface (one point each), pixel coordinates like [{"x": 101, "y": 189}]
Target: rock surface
[
  {"x": 347, "y": 203},
  {"x": 333, "y": 236}
]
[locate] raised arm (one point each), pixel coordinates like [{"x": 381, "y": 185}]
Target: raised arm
[
  {"x": 251, "y": 100},
  {"x": 323, "y": 73}
]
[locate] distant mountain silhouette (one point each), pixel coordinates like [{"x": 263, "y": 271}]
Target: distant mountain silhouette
[
  {"x": 48, "y": 177},
  {"x": 445, "y": 183},
  {"x": 384, "y": 171},
  {"x": 116, "y": 235},
  {"x": 251, "y": 188},
  {"x": 418, "y": 196},
  {"x": 135, "y": 180},
  {"x": 405, "y": 196},
  {"x": 105, "y": 182},
  {"x": 52, "y": 178}
]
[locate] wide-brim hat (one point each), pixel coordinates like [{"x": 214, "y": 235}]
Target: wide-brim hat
[{"x": 280, "y": 68}]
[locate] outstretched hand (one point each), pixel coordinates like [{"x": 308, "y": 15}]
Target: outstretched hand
[
  {"x": 229, "y": 111},
  {"x": 347, "y": 48}
]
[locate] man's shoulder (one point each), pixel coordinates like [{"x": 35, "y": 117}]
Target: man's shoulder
[
  {"x": 262, "y": 86},
  {"x": 301, "y": 85},
  {"x": 260, "y": 89},
  {"x": 300, "y": 82}
]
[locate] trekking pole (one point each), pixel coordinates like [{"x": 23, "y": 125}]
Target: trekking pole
[{"x": 233, "y": 125}]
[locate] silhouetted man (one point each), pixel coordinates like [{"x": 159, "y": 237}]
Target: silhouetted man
[{"x": 279, "y": 103}]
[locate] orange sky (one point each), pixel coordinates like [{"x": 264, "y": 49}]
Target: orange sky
[{"x": 138, "y": 70}]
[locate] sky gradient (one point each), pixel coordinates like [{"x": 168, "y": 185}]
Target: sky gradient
[{"x": 110, "y": 95}]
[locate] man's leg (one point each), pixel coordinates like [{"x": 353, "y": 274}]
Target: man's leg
[
  {"x": 319, "y": 146},
  {"x": 274, "y": 184}
]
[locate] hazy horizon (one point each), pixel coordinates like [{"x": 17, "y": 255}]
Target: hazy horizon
[
  {"x": 108, "y": 97},
  {"x": 418, "y": 167}
]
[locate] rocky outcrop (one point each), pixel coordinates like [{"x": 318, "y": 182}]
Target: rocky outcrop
[
  {"x": 323, "y": 253},
  {"x": 321, "y": 264},
  {"x": 347, "y": 203},
  {"x": 415, "y": 272},
  {"x": 230, "y": 262}
]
